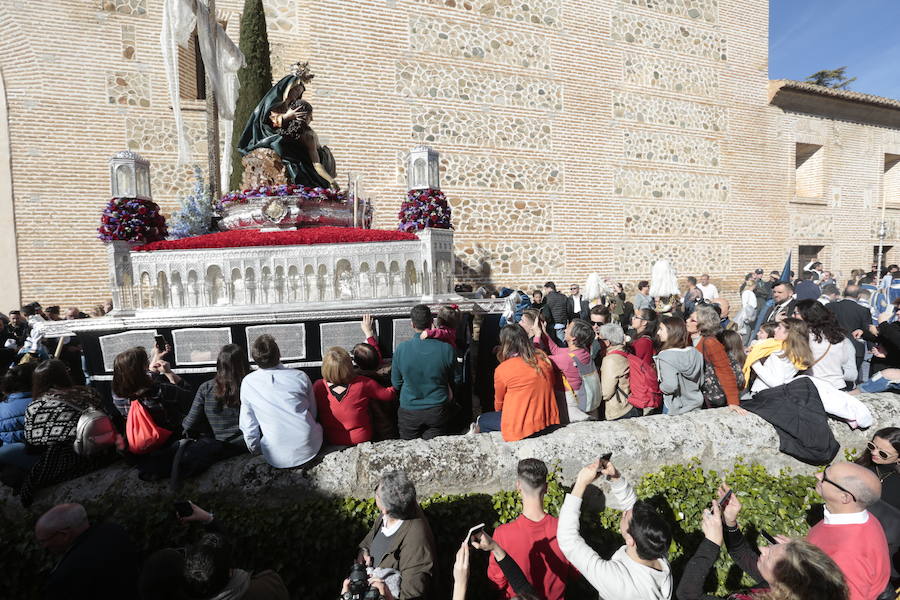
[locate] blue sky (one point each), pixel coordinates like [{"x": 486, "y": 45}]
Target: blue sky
[{"x": 806, "y": 36}]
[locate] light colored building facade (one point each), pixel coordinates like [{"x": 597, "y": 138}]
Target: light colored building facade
[{"x": 577, "y": 136}]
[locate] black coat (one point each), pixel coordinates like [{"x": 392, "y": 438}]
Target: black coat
[
  {"x": 795, "y": 411},
  {"x": 555, "y": 309},
  {"x": 889, "y": 340},
  {"x": 788, "y": 310},
  {"x": 744, "y": 556},
  {"x": 851, "y": 316},
  {"x": 102, "y": 563},
  {"x": 889, "y": 517},
  {"x": 584, "y": 313}
]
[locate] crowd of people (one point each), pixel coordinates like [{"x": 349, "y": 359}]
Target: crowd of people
[
  {"x": 559, "y": 360},
  {"x": 848, "y": 555}
]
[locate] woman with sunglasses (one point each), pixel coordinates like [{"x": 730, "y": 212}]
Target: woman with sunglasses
[
  {"x": 882, "y": 457},
  {"x": 644, "y": 324}
]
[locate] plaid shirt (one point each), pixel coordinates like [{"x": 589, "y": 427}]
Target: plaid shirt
[{"x": 222, "y": 419}]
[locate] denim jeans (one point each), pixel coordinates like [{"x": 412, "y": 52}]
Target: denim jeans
[
  {"x": 760, "y": 316},
  {"x": 632, "y": 413},
  {"x": 880, "y": 383},
  {"x": 15, "y": 455},
  {"x": 490, "y": 421}
]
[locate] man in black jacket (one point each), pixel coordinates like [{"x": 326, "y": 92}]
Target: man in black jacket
[
  {"x": 887, "y": 353},
  {"x": 17, "y": 329},
  {"x": 577, "y": 305},
  {"x": 783, "y": 295},
  {"x": 854, "y": 319},
  {"x": 889, "y": 517},
  {"x": 98, "y": 561},
  {"x": 555, "y": 312}
]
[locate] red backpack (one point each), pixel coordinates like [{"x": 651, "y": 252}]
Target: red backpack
[
  {"x": 142, "y": 432},
  {"x": 643, "y": 382}
]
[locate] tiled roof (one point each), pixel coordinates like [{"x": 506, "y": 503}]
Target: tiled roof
[{"x": 802, "y": 86}]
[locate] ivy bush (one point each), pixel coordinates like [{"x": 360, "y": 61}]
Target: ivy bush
[{"x": 311, "y": 541}]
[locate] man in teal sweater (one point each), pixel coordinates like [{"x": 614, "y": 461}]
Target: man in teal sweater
[{"x": 422, "y": 370}]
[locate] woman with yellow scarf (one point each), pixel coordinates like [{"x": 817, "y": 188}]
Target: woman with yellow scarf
[{"x": 776, "y": 361}]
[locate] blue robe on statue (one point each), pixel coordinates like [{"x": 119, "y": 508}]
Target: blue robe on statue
[{"x": 261, "y": 133}]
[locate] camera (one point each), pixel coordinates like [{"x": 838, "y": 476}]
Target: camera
[{"x": 359, "y": 585}]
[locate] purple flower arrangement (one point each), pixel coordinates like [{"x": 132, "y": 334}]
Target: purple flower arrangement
[
  {"x": 424, "y": 208},
  {"x": 290, "y": 189},
  {"x": 132, "y": 220}
]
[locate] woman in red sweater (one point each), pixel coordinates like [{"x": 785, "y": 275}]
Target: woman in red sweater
[
  {"x": 704, "y": 324},
  {"x": 343, "y": 400},
  {"x": 643, "y": 343}
]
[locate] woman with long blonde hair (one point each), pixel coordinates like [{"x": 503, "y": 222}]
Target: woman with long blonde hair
[{"x": 776, "y": 361}]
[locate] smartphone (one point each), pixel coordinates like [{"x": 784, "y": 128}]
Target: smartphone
[
  {"x": 160, "y": 343},
  {"x": 183, "y": 509},
  {"x": 603, "y": 461},
  {"x": 768, "y": 537},
  {"x": 724, "y": 501},
  {"x": 473, "y": 530}
]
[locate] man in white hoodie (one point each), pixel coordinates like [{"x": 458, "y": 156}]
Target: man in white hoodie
[{"x": 639, "y": 569}]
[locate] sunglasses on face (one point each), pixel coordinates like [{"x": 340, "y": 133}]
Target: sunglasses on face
[
  {"x": 873, "y": 448},
  {"x": 838, "y": 486}
]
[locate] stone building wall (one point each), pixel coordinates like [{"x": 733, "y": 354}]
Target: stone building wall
[
  {"x": 836, "y": 205},
  {"x": 576, "y": 136}
]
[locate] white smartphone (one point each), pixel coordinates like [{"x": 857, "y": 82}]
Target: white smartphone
[{"x": 474, "y": 530}]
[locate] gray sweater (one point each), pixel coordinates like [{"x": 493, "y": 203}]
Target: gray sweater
[{"x": 680, "y": 373}]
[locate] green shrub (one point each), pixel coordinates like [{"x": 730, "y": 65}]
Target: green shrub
[
  {"x": 312, "y": 541},
  {"x": 255, "y": 79}
]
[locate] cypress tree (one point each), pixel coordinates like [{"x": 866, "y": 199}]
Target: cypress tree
[{"x": 255, "y": 77}]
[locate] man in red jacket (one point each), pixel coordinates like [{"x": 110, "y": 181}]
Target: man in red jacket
[
  {"x": 850, "y": 534},
  {"x": 531, "y": 539}
]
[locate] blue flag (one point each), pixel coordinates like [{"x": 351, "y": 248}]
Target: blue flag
[{"x": 786, "y": 271}]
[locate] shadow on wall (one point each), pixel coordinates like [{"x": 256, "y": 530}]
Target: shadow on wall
[{"x": 482, "y": 276}]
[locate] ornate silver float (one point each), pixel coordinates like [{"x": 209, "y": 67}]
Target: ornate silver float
[{"x": 291, "y": 212}]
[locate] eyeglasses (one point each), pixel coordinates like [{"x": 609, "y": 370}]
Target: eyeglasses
[
  {"x": 873, "y": 448},
  {"x": 838, "y": 486}
]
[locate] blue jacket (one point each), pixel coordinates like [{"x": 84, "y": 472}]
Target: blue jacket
[
  {"x": 807, "y": 290},
  {"x": 12, "y": 417}
]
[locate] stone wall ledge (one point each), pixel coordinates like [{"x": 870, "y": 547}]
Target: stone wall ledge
[{"x": 483, "y": 462}]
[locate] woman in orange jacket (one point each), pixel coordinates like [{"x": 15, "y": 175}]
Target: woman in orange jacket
[{"x": 524, "y": 399}]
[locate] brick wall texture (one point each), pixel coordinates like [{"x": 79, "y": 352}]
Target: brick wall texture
[{"x": 577, "y": 136}]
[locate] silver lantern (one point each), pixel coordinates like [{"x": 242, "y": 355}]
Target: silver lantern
[
  {"x": 129, "y": 175},
  {"x": 423, "y": 169}
]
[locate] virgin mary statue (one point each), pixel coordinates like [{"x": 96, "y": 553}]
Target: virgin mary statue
[{"x": 280, "y": 122}]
